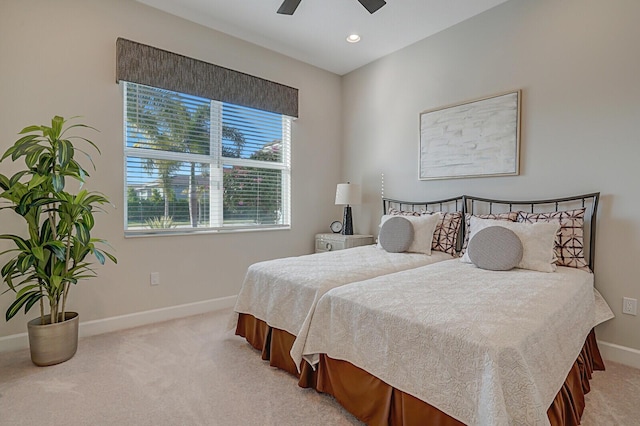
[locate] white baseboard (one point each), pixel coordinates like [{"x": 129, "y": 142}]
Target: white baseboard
[
  {"x": 619, "y": 354},
  {"x": 91, "y": 328}
]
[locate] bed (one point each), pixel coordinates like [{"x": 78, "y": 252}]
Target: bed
[
  {"x": 277, "y": 298},
  {"x": 450, "y": 343}
]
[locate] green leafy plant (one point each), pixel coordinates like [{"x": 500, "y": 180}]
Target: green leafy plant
[
  {"x": 53, "y": 254},
  {"x": 161, "y": 222}
]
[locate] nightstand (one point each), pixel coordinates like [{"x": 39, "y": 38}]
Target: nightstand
[{"x": 332, "y": 242}]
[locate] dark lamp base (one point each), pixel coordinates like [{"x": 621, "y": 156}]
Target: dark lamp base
[{"x": 347, "y": 222}]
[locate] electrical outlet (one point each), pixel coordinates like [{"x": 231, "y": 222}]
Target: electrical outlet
[
  {"x": 629, "y": 306},
  {"x": 155, "y": 278}
]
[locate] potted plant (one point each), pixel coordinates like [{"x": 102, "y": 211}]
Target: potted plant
[{"x": 51, "y": 253}]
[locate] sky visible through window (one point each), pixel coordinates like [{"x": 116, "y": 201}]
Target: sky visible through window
[{"x": 240, "y": 118}]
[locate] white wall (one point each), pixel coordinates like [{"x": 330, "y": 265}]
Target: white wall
[
  {"x": 578, "y": 66},
  {"x": 58, "y": 58}
]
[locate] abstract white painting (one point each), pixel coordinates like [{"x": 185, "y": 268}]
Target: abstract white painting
[{"x": 475, "y": 138}]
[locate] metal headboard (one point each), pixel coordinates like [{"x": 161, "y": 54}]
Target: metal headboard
[
  {"x": 479, "y": 205},
  {"x": 455, "y": 204}
]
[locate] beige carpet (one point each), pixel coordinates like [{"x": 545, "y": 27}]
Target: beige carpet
[{"x": 191, "y": 372}]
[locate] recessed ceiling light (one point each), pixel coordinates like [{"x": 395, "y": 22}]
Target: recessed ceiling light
[{"x": 353, "y": 38}]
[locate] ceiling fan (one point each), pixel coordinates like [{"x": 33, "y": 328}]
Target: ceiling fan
[{"x": 290, "y": 6}]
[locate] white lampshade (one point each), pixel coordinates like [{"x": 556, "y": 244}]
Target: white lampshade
[{"x": 348, "y": 193}]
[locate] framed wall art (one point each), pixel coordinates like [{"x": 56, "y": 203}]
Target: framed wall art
[{"x": 471, "y": 139}]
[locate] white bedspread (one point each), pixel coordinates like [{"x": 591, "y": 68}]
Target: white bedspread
[
  {"x": 487, "y": 348},
  {"x": 283, "y": 292}
]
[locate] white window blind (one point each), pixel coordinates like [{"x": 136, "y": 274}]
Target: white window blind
[{"x": 195, "y": 164}]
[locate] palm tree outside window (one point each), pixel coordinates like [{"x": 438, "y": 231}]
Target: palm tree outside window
[{"x": 198, "y": 164}]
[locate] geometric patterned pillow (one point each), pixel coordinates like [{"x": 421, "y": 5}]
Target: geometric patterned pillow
[
  {"x": 446, "y": 233},
  {"x": 569, "y": 247},
  {"x": 509, "y": 216}
]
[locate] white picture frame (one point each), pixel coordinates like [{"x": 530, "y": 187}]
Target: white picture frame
[{"x": 477, "y": 138}]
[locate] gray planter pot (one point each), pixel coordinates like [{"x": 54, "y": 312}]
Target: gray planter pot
[{"x": 53, "y": 343}]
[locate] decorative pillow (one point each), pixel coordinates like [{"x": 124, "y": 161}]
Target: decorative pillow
[
  {"x": 538, "y": 240},
  {"x": 445, "y": 236},
  {"x": 495, "y": 248},
  {"x": 396, "y": 234},
  {"x": 569, "y": 245},
  {"x": 423, "y": 228},
  {"x": 509, "y": 216},
  {"x": 446, "y": 233}
]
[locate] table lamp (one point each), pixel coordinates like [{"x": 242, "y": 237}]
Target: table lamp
[{"x": 348, "y": 194}]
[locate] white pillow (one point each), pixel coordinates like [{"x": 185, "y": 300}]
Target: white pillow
[
  {"x": 538, "y": 242},
  {"x": 423, "y": 229}
]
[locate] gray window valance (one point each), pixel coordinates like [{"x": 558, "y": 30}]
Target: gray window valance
[{"x": 142, "y": 64}]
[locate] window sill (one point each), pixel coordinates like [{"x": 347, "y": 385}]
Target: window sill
[{"x": 180, "y": 232}]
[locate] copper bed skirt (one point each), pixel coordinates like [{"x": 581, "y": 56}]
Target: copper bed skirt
[{"x": 377, "y": 403}]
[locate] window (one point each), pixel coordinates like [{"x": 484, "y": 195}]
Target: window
[{"x": 196, "y": 164}]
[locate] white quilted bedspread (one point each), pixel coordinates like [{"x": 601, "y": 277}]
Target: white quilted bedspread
[
  {"x": 283, "y": 292},
  {"x": 485, "y": 347}
]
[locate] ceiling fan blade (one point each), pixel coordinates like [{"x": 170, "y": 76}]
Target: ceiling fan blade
[
  {"x": 372, "y": 5},
  {"x": 288, "y": 7}
]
